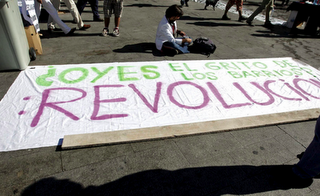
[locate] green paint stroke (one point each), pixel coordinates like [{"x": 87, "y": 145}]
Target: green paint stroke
[
  {"x": 62, "y": 75},
  {"x": 42, "y": 80},
  {"x": 122, "y": 74},
  {"x": 100, "y": 74},
  {"x": 148, "y": 69}
]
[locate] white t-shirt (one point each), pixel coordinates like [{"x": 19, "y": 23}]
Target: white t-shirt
[{"x": 165, "y": 33}]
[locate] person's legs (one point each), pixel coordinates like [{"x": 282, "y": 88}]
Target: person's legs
[
  {"x": 81, "y": 4},
  {"x": 228, "y": 6},
  {"x": 309, "y": 165},
  {"x": 169, "y": 49},
  {"x": 175, "y": 46},
  {"x": 117, "y": 22},
  {"x": 50, "y": 22},
  {"x": 107, "y": 10},
  {"x": 106, "y": 22},
  {"x": 47, "y": 5},
  {"x": 182, "y": 2},
  {"x": 268, "y": 10},
  {"x": 239, "y": 4},
  {"x": 257, "y": 11},
  {"x": 74, "y": 12},
  {"x": 118, "y": 7},
  {"x": 207, "y": 4},
  {"x": 94, "y": 7}
]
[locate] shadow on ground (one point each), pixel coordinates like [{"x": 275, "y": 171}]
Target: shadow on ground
[
  {"x": 218, "y": 180},
  {"x": 214, "y": 24},
  {"x": 282, "y": 31},
  {"x": 144, "y": 5},
  {"x": 145, "y": 47}
]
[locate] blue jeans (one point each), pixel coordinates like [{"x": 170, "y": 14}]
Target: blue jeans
[
  {"x": 184, "y": 1},
  {"x": 81, "y": 4},
  {"x": 309, "y": 165},
  {"x": 182, "y": 48}
]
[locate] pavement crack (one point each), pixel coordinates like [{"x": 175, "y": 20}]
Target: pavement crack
[{"x": 291, "y": 136}]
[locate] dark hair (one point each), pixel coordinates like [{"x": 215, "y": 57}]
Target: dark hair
[{"x": 174, "y": 10}]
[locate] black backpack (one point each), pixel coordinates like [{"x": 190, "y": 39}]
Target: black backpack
[{"x": 203, "y": 45}]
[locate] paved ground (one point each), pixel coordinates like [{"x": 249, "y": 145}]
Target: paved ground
[{"x": 237, "y": 162}]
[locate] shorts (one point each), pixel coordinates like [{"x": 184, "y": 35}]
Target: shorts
[
  {"x": 239, "y": 4},
  {"x": 112, "y": 7}
]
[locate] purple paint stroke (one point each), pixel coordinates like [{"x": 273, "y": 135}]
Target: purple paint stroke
[
  {"x": 216, "y": 93},
  {"x": 153, "y": 108},
  {"x": 53, "y": 105},
  {"x": 173, "y": 100},
  {"x": 97, "y": 102},
  {"x": 271, "y": 99}
]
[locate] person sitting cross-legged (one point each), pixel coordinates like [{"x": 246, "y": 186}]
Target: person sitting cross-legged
[{"x": 166, "y": 42}]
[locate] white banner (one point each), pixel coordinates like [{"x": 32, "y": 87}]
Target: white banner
[{"x": 47, "y": 102}]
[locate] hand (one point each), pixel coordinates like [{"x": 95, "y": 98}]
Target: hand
[
  {"x": 40, "y": 1},
  {"x": 181, "y": 33},
  {"x": 188, "y": 40}
]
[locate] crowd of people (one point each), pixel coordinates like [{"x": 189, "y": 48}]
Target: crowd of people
[{"x": 116, "y": 7}]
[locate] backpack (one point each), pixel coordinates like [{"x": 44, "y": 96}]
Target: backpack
[{"x": 203, "y": 45}]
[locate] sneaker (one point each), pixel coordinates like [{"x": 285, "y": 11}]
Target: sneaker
[
  {"x": 249, "y": 23},
  {"x": 285, "y": 178},
  {"x": 169, "y": 51},
  {"x": 116, "y": 32},
  {"x": 268, "y": 25},
  {"x": 105, "y": 32},
  {"x": 85, "y": 26},
  {"x": 71, "y": 31},
  {"x": 225, "y": 17},
  {"x": 51, "y": 28}
]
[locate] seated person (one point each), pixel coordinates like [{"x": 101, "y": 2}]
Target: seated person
[{"x": 167, "y": 29}]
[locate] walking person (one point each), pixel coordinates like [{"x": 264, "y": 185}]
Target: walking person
[
  {"x": 239, "y": 4},
  {"x": 47, "y": 5},
  {"x": 267, "y": 5},
  {"x": 309, "y": 165},
  {"x": 81, "y": 4},
  {"x": 74, "y": 12}
]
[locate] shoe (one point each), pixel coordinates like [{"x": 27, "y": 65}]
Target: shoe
[
  {"x": 116, "y": 32},
  {"x": 249, "y": 23},
  {"x": 71, "y": 31},
  {"x": 98, "y": 19},
  {"x": 85, "y": 26},
  {"x": 51, "y": 29},
  {"x": 105, "y": 32},
  {"x": 285, "y": 178},
  {"x": 225, "y": 17},
  {"x": 242, "y": 18},
  {"x": 268, "y": 25},
  {"x": 169, "y": 51}
]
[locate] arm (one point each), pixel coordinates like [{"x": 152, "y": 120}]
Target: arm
[{"x": 188, "y": 40}]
